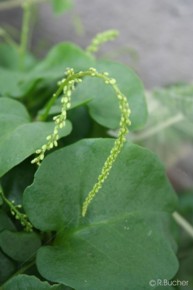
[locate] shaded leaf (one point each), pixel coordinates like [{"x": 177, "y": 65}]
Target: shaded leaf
[
  {"x": 19, "y": 246},
  {"x": 5, "y": 222},
  {"x": 17, "y": 179},
  {"x": 125, "y": 227},
  {"x": 7, "y": 267}
]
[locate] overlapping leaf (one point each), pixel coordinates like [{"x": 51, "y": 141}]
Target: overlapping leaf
[
  {"x": 125, "y": 227},
  {"x": 21, "y": 246}
]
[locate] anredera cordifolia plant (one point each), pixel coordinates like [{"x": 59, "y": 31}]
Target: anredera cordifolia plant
[
  {"x": 48, "y": 224},
  {"x": 67, "y": 85}
]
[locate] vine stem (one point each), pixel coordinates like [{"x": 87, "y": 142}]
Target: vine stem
[
  {"x": 16, "y": 3},
  {"x": 181, "y": 221}
]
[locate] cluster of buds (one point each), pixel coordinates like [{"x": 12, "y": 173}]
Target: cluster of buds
[
  {"x": 123, "y": 131},
  {"x": 21, "y": 217},
  {"x": 15, "y": 211},
  {"x": 101, "y": 38},
  {"x": 67, "y": 85}
]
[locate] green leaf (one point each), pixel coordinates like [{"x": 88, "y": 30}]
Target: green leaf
[
  {"x": 123, "y": 241},
  {"x": 5, "y": 222},
  {"x": 60, "y": 6},
  {"x": 19, "y": 137},
  {"x": 17, "y": 179},
  {"x": 10, "y": 58},
  {"x": 58, "y": 59},
  {"x": 26, "y": 282},
  {"x": 53, "y": 66},
  {"x": 104, "y": 107},
  {"x": 7, "y": 267},
  {"x": 9, "y": 83},
  {"x": 19, "y": 246}
]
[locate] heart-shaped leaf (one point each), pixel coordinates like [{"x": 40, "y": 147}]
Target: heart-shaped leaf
[{"x": 123, "y": 241}]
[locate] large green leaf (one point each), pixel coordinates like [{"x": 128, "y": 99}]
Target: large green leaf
[
  {"x": 21, "y": 246},
  {"x": 123, "y": 242},
  {"x": 104, "y": 106},
  {"x": 24, "y": 282},
  {"x": 19, "y": 137}
]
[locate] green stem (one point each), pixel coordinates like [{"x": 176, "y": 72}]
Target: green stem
[
  {"x": 24, "y": 32},
  {"x": 50, "y": 103},
  {"x": 187, "y": 227}
]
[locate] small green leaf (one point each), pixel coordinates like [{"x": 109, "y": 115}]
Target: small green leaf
[
  {"x": 60, "y": 6},
  {"x": 125, "y": 227},
  {"x": 19, "y": 246},
  {"x": 25, "y": 282},
  {"x": 19, "y": 137}
]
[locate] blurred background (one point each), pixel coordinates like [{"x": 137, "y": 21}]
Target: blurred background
[{"x": 155, "y": 36}]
